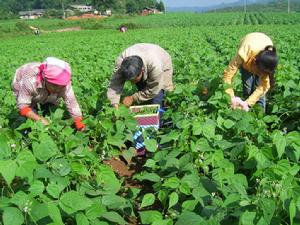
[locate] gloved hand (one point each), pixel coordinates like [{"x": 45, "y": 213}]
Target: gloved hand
[
  {"x": 79, "y": 124},
  {"x": 245, "y": 106},
  {"x": 238, "y": 103},
  {"x": 128, "y": 101}
]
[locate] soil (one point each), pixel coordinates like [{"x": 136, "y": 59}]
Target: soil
[
  {"x": 127, "y": 169},
  {"x": 120, "y": 167},
  {"x": 86, "y": 16},
  {"x": 124, "y": 168},
  {"x": 68, "y": 29}
]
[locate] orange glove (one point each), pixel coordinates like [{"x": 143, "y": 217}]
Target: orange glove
[
  {"x": 128, "y": 101},
  {"x": 79, "y": 124},
  {"x": 24, "y": 111}
]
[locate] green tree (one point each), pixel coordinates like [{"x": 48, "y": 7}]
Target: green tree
[
  {"x": 160, "y": 6},
  {"x": 146, "y": 3},
  {"x": 132, "y": 6}
]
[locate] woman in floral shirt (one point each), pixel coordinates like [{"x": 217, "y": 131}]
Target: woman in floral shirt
[{"x": 45, "y": 83}]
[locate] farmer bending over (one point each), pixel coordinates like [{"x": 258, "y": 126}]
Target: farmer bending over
[
  {"x": 149, "y": 67},
  {"x": 257, "y": 60},
  {"x": 45, "y": 83}
]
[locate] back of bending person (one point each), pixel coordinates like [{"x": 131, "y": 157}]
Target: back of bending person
[
  {"x": 45, "y": 83},
  {"x": 257, "y": 60}
]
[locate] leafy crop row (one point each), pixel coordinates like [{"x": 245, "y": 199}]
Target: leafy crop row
[{"x": 216, "y": 166}]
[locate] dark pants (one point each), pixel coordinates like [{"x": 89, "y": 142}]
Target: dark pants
[
  {"x": 45, "y": 108},
  {"x": 158, "y": 99},
  {"x": 250, "y": 82}
]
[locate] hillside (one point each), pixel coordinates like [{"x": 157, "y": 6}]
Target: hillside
[{"x": 270, "y": 6}]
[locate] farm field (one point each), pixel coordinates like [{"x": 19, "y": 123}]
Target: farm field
[{"x": 215, "y": 166}]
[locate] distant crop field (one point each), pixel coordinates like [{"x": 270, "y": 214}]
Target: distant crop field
[{"x": 215, "y": 166}]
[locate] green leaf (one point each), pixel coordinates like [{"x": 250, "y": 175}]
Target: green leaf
[
  {"x": 162, "y": 196},
  {"x": 41, "y": 171},
  {"x": 280, "y": 142},
  {"x": 72, "y": 202},
  {"x": 151, "y": 145},
  {"x": 294, "y": 137},
  {"x": 114, "y": 217},
  {"x": 12, "y": 216},
  {"x": 197, "y": 128},
  {"x": 98, "y": 222},
  {"x": 106, "y": 178},
  {"x": 61, "y": 166},
  {"x": 163, "y": 222},
  {"x": 185, "y": 189},
  {"x": 231, "y": 199},
  {"x": 39, "y": 210},
  {"x": 45, "y": 149},
  {"x": 148, "y": 217},
  {"x": 129, "y": 154},
  {"x": 27, "y": 163},
  {"x": 173, "y": 199},
  {"x": 58, "y": 114},
  {"x": 173, "y": 135},
  {"x": 54, "y": 213},
  {"x": 96, "y": 210},
  {"x": 54, "y": 189},
  {"x": 36, "y": 188},
  {"x": 292, "y": 211},
  {"x": 190, "y": 218},
  {"x": 116, "y": 140},
  {"x": 268, "y": 207},
  {"x": 262, "y": 221},
  {"x": 200, "y": 192},
  {"x": 4, "y": 202},
  {"x": 192, "y": 180},
  {"x": 81, "y": 219},
  {"x": 120, "y": 126},
  {"x": 172, "y": 182},
  {"x": 148, "y": 200},
  {"x": 4, "y": 148},
  {"x": 228, "y": 124},
  {"x": 113, "y": 201},
  {"x": 150, "y": 163},
  {"x": 298, "y": 203},
  {"x": 25, "y": 156},
  {"x": 247, "y": 218},
  {"x": 189, "y": 205},
  {"x": 20, "y": 199},
  {"x": 209, "y": 129},
  {"x": 148, "y": 176},
  {"x": 8, "y": 170},
  {"x": 80, "y": 169}
]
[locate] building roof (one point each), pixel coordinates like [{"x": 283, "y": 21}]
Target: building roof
[
  {"x": 32, "y": 12},
  {"x": 81, "y": 6},
  {"x": 148, "y": 8}
]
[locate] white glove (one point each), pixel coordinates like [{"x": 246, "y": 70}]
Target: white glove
[{"x": 238, "y": 103}]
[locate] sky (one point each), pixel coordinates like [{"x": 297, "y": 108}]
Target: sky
[{"x": 199, "y": 3}]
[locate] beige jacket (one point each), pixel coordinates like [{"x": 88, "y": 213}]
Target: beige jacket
[
  {"x": 158, "y": 73},
  {"x": 249, "y": 47}
]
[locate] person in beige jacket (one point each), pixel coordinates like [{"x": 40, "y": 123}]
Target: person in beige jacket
[
  {"x": 149, "y": 67},
  {"x": 257, "y": 60}
]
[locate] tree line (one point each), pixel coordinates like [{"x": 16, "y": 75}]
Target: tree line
[{"x": 10, "y": 8}]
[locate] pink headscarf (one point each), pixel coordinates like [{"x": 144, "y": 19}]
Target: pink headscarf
[{"x": 55, "y": 71}]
